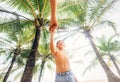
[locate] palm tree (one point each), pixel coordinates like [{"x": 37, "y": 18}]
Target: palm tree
[
  {"x": 88, "y": 15},
  {"x": 44, "y": 53},
  {"x": 39, "y": 12},
  {"x": 106, "y": 47},
  {"x": 14, "y": 45},
  {"x": 39, "y": 20},
  {"x": 109, "y": 48}
]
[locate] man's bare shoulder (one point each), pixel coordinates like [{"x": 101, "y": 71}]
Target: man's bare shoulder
[
  {"x": 60, "y": 53},
  {"x": 56, "y": 53}
]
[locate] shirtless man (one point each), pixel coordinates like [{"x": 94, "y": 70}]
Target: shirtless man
[{"x": 63, "y": 71}]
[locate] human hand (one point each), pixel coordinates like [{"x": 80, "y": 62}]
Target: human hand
[
  {"x": 53, "y": 25},
  {"x": 53, "y": 30}
]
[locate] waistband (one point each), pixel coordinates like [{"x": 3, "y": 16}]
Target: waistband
[{"x": 65, "y": 73}]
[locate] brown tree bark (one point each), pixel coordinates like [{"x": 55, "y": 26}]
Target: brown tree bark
[
  {"x": 29, "y": 68},
  {"x": 16, "y": 52},
  {"x": 110, "y": 75}
]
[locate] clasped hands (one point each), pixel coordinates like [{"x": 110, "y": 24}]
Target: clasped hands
[{"x": 53, "y": 26}]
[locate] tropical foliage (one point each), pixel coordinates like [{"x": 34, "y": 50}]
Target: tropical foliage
[{"x": 26, "y": 44}]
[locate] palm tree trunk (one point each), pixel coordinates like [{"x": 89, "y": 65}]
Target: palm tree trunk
[
  {"x": 28, "y": 72},
  {"x": 118, "y": 70},
  {"x": 41, "y": 70},
  {"x": 110, "y": 75},
  {"x": 10, "y": 68},
  {"x": 16, "y": 52},
  {"x": 115, "y": 64}
]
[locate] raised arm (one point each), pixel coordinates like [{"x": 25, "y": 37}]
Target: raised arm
[
  {"x": 53, "y": 25},
  {"x": 52, "y": 46}
]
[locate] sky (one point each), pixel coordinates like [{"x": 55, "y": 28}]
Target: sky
[{"x": 82, "y": 43}]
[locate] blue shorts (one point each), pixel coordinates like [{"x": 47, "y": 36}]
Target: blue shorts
[{"x": 65, "y": 77}]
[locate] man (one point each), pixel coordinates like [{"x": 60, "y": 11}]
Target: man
[{"x": 63, "y": 71}]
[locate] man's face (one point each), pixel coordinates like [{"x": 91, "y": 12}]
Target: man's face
[{"x": 60, "y": 44}]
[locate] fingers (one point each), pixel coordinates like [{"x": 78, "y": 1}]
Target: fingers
[
  {"x": 53, "y": 27},
  {"x": 53, "y": 30}
]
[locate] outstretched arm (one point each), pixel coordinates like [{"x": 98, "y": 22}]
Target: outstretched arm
[
  {"x": 53, "y": 21},
  {"x": 52, "y": 46},
  {"x": 53, "y": 25}
]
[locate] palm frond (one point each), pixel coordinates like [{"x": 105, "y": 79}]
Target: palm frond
[
  {"x": 21, "y": 5},
  {"x": 96, "y": 7},
  {"x": 26, "y": 37},
  {"x": 36, "y": 69},
  {"x": 109, "y": 44},
  {"x": 19, "y": 61},
  {"x": 44, "y": 45},
  {"x": 13, "y": 13},
  {"x": 24, "y": 54},
  {"x": 111, "y": 24},
  {"x": 74, "y": 11},
  {"x": 103, "y": 43},
  {"x": 67, "y": 23},
  {"x": 9, "y": 55},
  {"x": 18, "y": 75},
  {"x": 50, "y": 67},
  {"x": 89, "y": 52},
  {"x": 46, "y": 9},
  {"x": 90, "y": 66},
  {"x": 2, "y": 52},
  {"x": 14, "y": 25},
  {"x": 9, "y": 41},
  {"x": 102, "y": 10}
]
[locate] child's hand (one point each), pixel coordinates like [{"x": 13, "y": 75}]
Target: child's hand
[{"x": 53, "y": 30}]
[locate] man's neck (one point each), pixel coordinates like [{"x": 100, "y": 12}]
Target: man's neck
[{"x": 61, "y": 49}]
